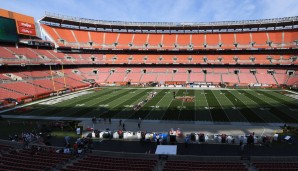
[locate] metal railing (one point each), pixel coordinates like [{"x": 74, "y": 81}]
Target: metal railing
[{"x": 171, "y": 24}]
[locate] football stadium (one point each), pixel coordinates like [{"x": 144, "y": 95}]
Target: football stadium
[{"x": 92, "y": 94}]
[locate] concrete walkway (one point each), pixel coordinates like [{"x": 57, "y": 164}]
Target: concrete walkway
[{"x": 187, "y": 127}]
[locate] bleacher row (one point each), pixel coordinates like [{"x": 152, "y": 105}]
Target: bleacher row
[
  {"x": 93, "y": 162},
  {"x": 167, "y": 41},
  {"x": 18, "y": 159},
  {"x": 13, "y": 55},
  {"x": 214, "y": 75},
  {"x": 43, "y": 81},
  {"x": 36, "y": 83}
]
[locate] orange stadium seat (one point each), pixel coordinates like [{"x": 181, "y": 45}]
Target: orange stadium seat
[
  {"x": 6, "y": 53},
  {"x": 152, "y": 59},
  {"x": 110, "y": 39},
  {"x": 276, "y": 38},
  {"x": 212, "y": 41},
  {"x": 261, "y": 59},
  {"x": 124, "y": 40},
  {"x": 166, "y": 59},
  {"x": 139, "y": 40},
  {"x": 154, "y": 40},
  {"x": 260, "y": 39},
  {"x": 82, "y": 36},
  {"x": 289, "y": 38},
  {"x": 197, "y": 59},
  {"x": 182, "y": 59},
  {"x": 183, "y": 40},
  {"x": 97, "y": 39},
  {"x": 136, "y": 59},
  {"x": 227, "y": 40},
  {"x": 228, "y": 59},
  {"x": 230, "y": 78},
  {"x": 214, "y": 78},
  {"x": 4, "y": 93},
  {"x": 243, "y": 40},
  {"x": 180, "y": 77},
  {"x": 169, "y": 40},
  {"x": 66, "y": 34},
  {"x": 148, "y": 78},
  {"x": 50, "y": 31},
  {"x": 197, "y": 77},
  {"x": 244, "y": 59},
  {"x": 264, "y": 78},
  {"x": 198, "y": 41},
  {"x": 133, "y": 77},
  {"x": 163, "y": 77},
  {"x": 246, "y": 77}
]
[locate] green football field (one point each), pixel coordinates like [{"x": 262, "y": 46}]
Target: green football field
[{"x": 262, "y": 106}]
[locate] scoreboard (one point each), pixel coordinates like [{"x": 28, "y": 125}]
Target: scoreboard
[
  {"x": 24, "y": 24},
  {"x": 8, "y": 31}
]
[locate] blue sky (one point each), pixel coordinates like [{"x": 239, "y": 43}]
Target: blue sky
[{"x": 157, "y": 10}]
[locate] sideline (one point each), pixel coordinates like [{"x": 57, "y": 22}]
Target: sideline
[{"x": 43, "y": 100}]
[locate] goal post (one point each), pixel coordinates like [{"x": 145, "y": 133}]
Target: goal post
[{"x": 53, "y": 80}]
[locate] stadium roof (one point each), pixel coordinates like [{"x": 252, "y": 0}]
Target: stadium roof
[{"x": 81, "y": 23}]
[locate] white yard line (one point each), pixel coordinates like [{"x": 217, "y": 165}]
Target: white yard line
[
  {"x": 38, "y": 101},
  {"x": 221, "y": 106},
  {"x": 263, "y": 131},
  {"x": 138, "y": 100},
  {"x": 135, "y": 94},
  {"x": 157, "y": 104},
  {"x": 235, "y": 106},
  {"x": 181, "y": 108},
  {"x": 291, "y": 91},
  {"x": 257, "y": 104},
  {"x": 208, "y": 105},
  {"x": 166, "y": 110}
]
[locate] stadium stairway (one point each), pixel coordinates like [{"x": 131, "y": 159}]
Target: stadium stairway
[
  {"x": 275, "y": 79},
  {"x": 55, "y": 31},
  {"x": 107, "y": 77},
  {"x": 73, "y": 34},
  {"x": 287, "y": 80},
  {"x": 188, "y": 77},
  {"x": 256, "y": 78},
  {"x": 141, "y": 77},
  {"x": 238, "y": 78},
  {"x": 156, "y": 77}
]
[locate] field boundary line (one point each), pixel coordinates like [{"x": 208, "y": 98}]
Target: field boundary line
[{"x": 42, "y": 100}]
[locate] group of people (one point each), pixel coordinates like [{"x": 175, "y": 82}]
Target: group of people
[
  {"x": 27, "y": 138},
  {"x": 94, "y": 120},
  {"x": 81, "y": 145},
  {"x": 123, "y": 124}
]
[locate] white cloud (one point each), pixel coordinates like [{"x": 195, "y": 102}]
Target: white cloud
[
  {"x": 279, "y": 8},
  {"x": 158, "y": 10}
]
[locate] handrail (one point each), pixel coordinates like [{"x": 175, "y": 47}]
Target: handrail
[{"x": 171, "y": 24}]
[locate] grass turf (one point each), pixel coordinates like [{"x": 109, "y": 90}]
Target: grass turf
[{"x": 262, "y": 106}]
